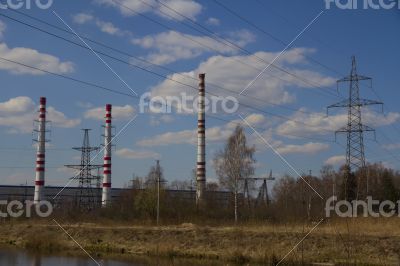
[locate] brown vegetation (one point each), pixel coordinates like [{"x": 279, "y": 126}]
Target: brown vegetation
[{"x": 374, "y": 242}]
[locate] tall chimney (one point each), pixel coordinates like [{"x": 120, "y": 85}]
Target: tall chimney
[
  {"x": 41, "y": 151},
  {"x": 106, "y": 195},
  {"x": 201, "y": 143}
]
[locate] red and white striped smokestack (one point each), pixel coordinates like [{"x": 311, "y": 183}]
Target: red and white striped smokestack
[
  {"x": 201, "y": 143},
  {"x": 106, "y": 195},
  {"x": 41, "y": 151}
]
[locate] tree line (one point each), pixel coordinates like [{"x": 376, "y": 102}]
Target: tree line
[{"x": 234, "y": 197}]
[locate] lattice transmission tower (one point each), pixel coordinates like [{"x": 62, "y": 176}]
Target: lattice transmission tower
[
  {"x": 89, "y": 193},
  {"x": 355, "y": 153}
]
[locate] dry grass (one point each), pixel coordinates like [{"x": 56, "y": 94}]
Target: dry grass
[{"x": 361, "y": 241}]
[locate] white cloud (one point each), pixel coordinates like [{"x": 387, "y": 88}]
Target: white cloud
[
  {"x": 17, "y": 115},
  {"x": 133, "y": 154},
  {"x": 308, "y": 148},
  {"x": 255, "y": 119},
  {"x": 58, "y": 119},
  {"x": 163, "y": 119},
  {"x": 104, "y": 26},
  {"x": 82, "y": 18},
  {"x": 109, "y": 28},
  {"x": 320, "y": 124},
  {"x": 391, "y": 146},
  {"x": 337, "y": 160},
  {"x": 85, "y": 105},
  {"x": 170, "y": 138},
  {"x": 213, "y": 21},
  {"x": 213, "y": 134},
  {"x": 118, "y": 113},
  {"x": 219, "y": 134},
  {"x": 172, "y": 46},
  {"x": 19, "y": 104},
  {"x": 234, "y": 77},
  {"x": 189, "y": 8},
  {"x": 3, "y": 28},
  {"x": 33, "y": 58}
]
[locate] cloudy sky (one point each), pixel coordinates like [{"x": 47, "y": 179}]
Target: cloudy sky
[{"x": 160, "y": 47}]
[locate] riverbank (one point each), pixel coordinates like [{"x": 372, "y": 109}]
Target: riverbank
[{"x": 365, "y": 242}]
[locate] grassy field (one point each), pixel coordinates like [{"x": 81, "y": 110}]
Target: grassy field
[{"x": 360, "y": 242}]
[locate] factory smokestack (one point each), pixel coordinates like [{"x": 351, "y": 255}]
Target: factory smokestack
[
  {"x": 41, "y": 151},
  {"x": 106, "y": 195},
  {"x": 201, "y": 143}
]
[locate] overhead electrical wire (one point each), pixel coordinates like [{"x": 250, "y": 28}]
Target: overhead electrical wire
[
  {"x": 151, "y": 72},
  {"x": 231, "y": 11},
  {"x": 242, "y": 49},
  {"x": 215, "y": 34},
  {"x": 140, "y": 67},
  {"x": 137, "y": 97}
]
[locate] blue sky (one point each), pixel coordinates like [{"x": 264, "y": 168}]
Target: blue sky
[{"x": 320, "y": 56}]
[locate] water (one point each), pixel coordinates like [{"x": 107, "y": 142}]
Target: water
[
  {"x": 21, "y": 258},
  {"x": 12, "y": 257}
]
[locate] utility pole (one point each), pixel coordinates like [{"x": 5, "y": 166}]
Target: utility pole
[
  {"x": 158, "y": 190},
  {"x": 355, "y": 155}
]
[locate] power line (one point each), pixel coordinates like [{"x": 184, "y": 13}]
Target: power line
[
  {"x": 139, "y": 67},
  {"x": 243, "y": 49},
  {"x": 137, "y": 97},
  {"x": 231, "y": 11},
  {"x": 263, "y": 129},
  {"x": 217, "y": 37},
  {"x": 69, "y": 78},
  {"x": 136, "y": 66}
]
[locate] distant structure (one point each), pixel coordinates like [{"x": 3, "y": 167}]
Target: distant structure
[
  {"x": 263, "y": 196},
  {"x": 41, "y": 152},
  {"x": 106, "y": 195},
  {"x": 201, "y": 143},
  {"x": 355, "y": 156},
  {"x": 87, "y": 197}
]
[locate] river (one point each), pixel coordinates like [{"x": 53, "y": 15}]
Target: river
[
  {"x": 14, "y": 257},
  {"x": 22, "y": 258}
]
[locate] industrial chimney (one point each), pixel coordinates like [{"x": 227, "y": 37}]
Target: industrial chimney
[
  {"x": 41, "y": 150},
  {"x": 106, "y": 195},
  {"x": 201, "y": 143}
]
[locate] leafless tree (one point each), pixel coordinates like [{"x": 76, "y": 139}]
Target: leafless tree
[{"x": 235, "y": 163}]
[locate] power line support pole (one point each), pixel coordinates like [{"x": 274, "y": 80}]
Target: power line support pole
[
  {"x": 355, "y": 154},
  {"x": 158, "y": 170},
  {"x": 88, "y": 198}
]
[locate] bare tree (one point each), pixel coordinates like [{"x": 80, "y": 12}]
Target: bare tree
[
  {"x": 155, "y": 176},
  {"x": 235, "y": 163}
]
